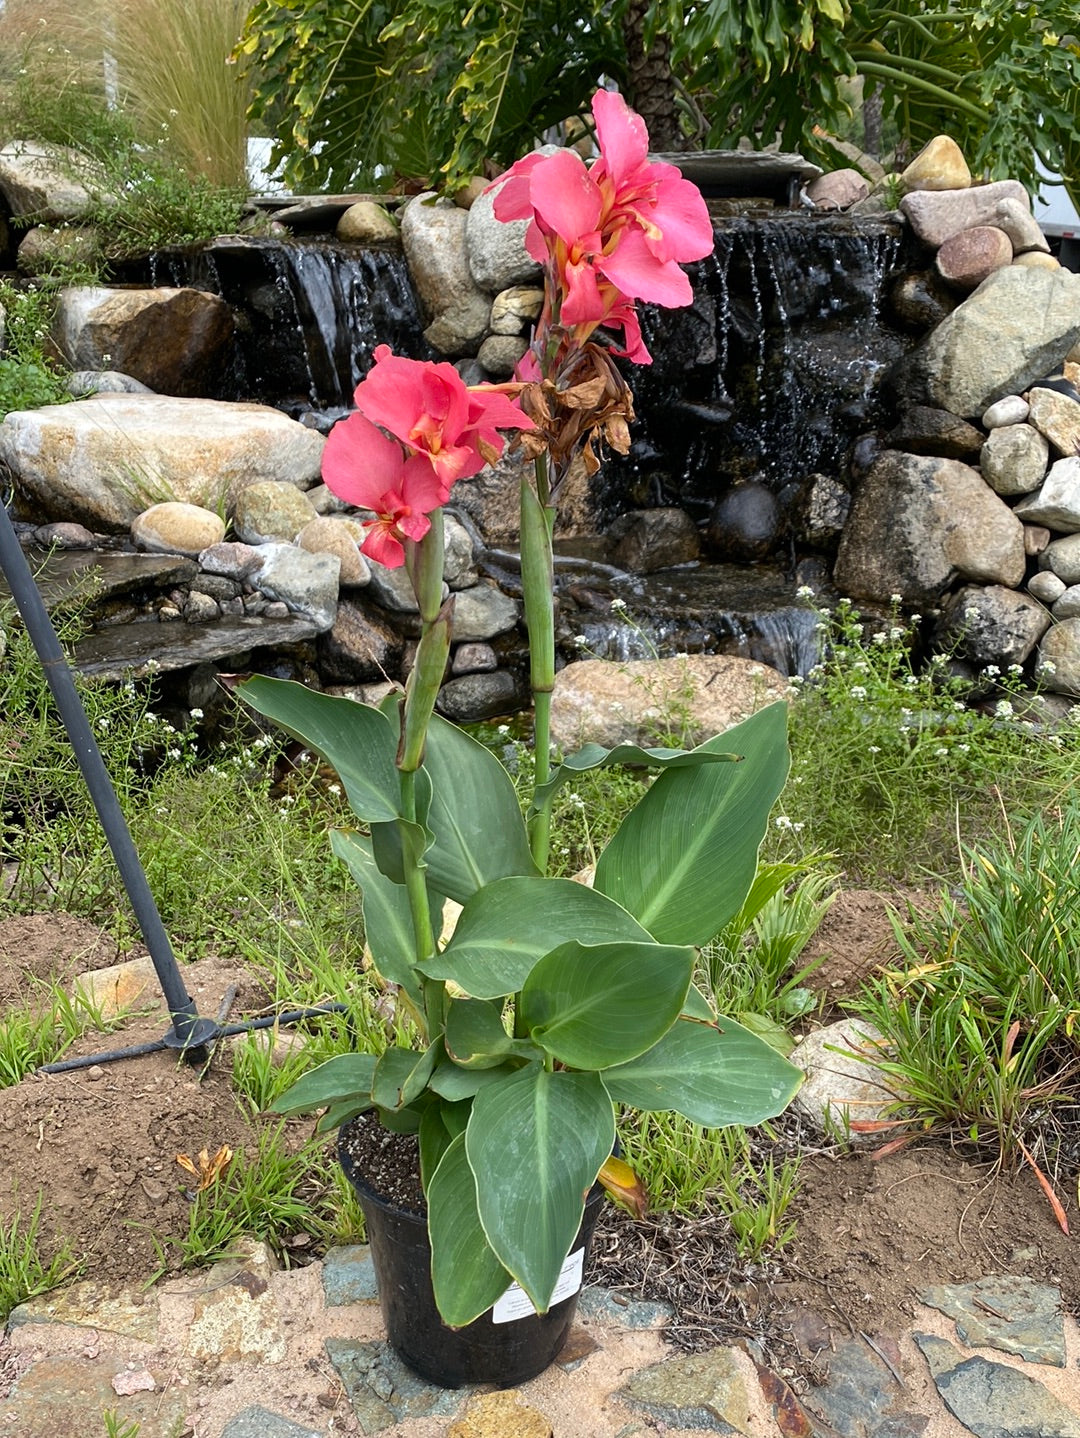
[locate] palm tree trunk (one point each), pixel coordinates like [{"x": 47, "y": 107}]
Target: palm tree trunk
[{"x": 651, "y": 82}]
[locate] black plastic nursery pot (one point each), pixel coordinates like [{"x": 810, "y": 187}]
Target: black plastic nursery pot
[{"x": 509, "y": 1344}]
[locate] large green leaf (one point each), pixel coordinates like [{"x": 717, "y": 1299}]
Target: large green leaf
[
  {"x": 594, "y": 1005},
  {"x": 509, "y": 924},
  {"x": 356, "y": 739},
  {"x": 536, "y": 1144},
  {"x": 387, "y": 917},
  {"x": 712, "y": 1074},
  {"x": 475, "y": 1036},
  {"x": 344, "y": 1077},
  {"x": 474, "y": 815},
  {"x": 401, "y": 1075},
  {"x": 595, "y": 756},
  {"x": 465, "y": 1274},
  {"x": 685, "y": 856},
  {"x": 454, "y": 1083}
]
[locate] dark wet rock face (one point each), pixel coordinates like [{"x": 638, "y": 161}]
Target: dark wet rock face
[{"x": 745, "y": 525}]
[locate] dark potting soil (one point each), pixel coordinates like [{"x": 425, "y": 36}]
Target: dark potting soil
[{"x": 389, "y": 1163}]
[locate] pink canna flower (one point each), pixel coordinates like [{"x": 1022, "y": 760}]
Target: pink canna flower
[
  {"x": 362, "y": 465},
  {"x": 611, "y": 234},
  {"x": 431, "y": 410}
]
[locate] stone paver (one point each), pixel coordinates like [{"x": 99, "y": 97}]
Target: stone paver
[
  {"x": 992, "y": 1400},
  {"x": 1014, "y": 1314},
  {"x": 249, "y": 1351}
]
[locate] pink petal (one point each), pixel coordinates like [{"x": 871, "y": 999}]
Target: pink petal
[
  {"x": 633, "y": 268},
  {"x": 494, "y": 410},
  {"x": 622, "y": 136},
  {"x": 583, "y": 302},
  {"x": 681, "y": 214},
  {"x": 381, "y": 546},
  {"x": 423, "y": 488},
  {"x": 564, "y": 195},
  {"x": 625, "y": 316},
  {"x": 360, "y": 464},
  {"x": 512, "y": 189},
  {"x": 414, "y": 526}
]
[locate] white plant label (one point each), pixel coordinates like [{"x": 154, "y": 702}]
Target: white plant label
[{"x": 516, "y": 1303}]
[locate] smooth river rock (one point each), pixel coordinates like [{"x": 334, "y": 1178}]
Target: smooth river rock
[{"x": 103, "y": 460}]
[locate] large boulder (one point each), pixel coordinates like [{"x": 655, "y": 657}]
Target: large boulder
[
  {"x": 603, "y": 702},
  {"x": 433, "y": 234},
  {"x": 102, "y": 461},
  {"x": 1015, "y": 328},
  {"x": 936, "y": 216},
  {"x": 496, "y": 248},
  {"x": 918, "y": 523},
  {"x": 173, "y": 340},
  {"x": 40, "y": 182}
]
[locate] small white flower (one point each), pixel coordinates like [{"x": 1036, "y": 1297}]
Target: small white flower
[
  {"x": 173, "y": 753},
  {"x": 103, "y": 723},
  {"x": 783, "y": 822},
  {"x": 971, "y": 612},
  {"x": 1047, "y": 667},
  {"x": 1003, "y": 709},
  {"x": 874, "y": 749},
  {"x": 196, "y": 714},
  {"x": 964, "y": 748},
  {"x": 804, "y": 592},
  {"x": 1016, "y": 669},
  {"x": 896, "y": 632},
  {"x": 619, "y": 606},
  {"x": 991, "y": 671},
  {"x": 334, "y": 789},
  {"x": 896, "y": 599},
  {"x": 503, "y": 730},
  {"x": 857, "y": 691},
  {"x": 941, "y": 752},
  {"x": 580, "y": 642},
  {"x": 915, "y": 619}
]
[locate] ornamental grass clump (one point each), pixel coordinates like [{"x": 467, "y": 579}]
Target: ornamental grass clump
[{"x": 549, "y": 1003}]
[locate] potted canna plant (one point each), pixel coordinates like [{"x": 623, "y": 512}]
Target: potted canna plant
[{"x": 548, "y": 1004}]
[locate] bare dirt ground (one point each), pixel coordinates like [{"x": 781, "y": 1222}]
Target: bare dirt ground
[{"x": 100, "y": 1147}]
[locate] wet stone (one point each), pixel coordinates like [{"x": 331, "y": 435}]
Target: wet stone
[
  {"x": 610, "y": 1307},
  {"x": 1012, "y": 1313},
  {"x": 994, "y": 1401},
  {"x": 349, "y": 1276},
  {"x": 702, "y": 1390},
  {"x": 382, "y": 1390},
  {"x": 75, "y": 574},
  {"x": 256, "y": 1422},
  {"x": 863, "y": 1397}
]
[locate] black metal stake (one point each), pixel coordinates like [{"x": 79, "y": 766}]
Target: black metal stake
[{"x": 189, "y": 1032}]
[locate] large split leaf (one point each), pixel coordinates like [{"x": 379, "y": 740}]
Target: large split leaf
[
  {"x": 509, "y": 924},
  {"x": 594, "y": 1005},
  {"x": 356, "y": 739},
  {"x": 536, "y": 1144},
  {"x": 714, "y": 1074},
  {"x": 685, "y": 856}
]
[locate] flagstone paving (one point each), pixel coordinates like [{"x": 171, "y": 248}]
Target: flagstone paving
[{"x": 246, "y": 1350}]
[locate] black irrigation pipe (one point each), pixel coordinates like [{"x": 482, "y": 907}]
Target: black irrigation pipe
[
  {"x": 189, "y": 1033},
  {"x": 268, "y": 1021}
]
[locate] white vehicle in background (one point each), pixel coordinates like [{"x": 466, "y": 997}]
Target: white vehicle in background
[{"x": 1060, "y": 222}]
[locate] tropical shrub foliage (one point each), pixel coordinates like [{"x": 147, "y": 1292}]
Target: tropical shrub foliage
[{"x": 407, "y": 86}]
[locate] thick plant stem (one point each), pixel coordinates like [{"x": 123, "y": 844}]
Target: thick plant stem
[
  {"x": 425, "y": 566},
  {"x": 537, "y": 525}
]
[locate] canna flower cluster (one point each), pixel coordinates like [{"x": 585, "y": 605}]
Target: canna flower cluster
[
  {"x": 417, "y": 430},
  {"x": 609, "y": 235}
]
